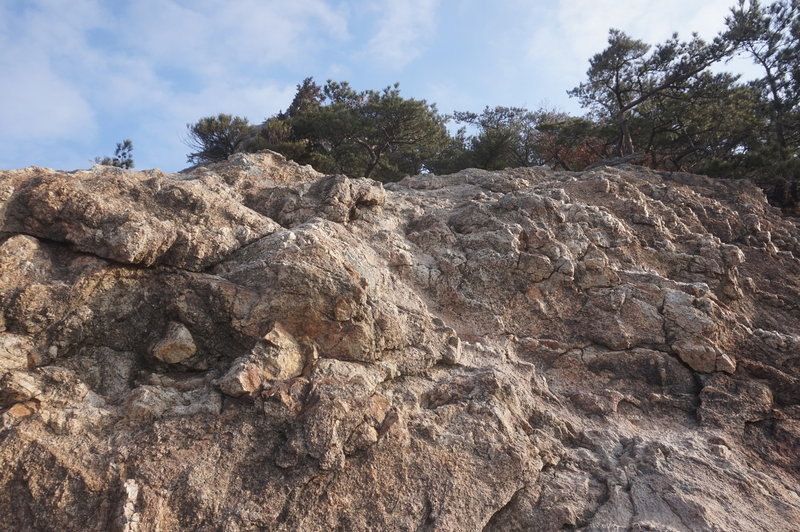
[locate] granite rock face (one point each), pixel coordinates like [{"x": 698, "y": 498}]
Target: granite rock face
[{"x": 255, "y": 346}]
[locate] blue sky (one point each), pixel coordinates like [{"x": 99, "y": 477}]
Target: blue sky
[{"x": 78, "y": 76}]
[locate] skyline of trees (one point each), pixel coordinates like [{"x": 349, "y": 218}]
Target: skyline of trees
[
  {"x": 659, "y": 105},
  {"x": 123, "y": 156}
]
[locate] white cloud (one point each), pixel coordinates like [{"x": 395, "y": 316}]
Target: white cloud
[
  {"x": 255, "y": 102},
  {"x": 560, "y": 49},
  {"x": 401, "y": 32},
  {"x": 584, "y": 24},
  {"x": 39, "y": 105},
  {"x": 55, "y": 25},
  {"x": 451, "y": 96},
  {"x": 39, "y": 101},
  {"x": 74, "y": 69},
  {"x": 213, "y": 38}
]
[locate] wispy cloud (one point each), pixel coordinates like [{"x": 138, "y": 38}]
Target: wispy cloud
[
  {"x": 401, "y": 32},
  {"x": 212, "y": 37},
  {"x": 560, "y": 50},
  {"x": 39, "y": 101},
  {"x": 73, "y": 68},
  {"x": 39, "y": 105},
  {"x": 584, "y": 24}
]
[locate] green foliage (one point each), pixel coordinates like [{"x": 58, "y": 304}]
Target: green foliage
[
  {"x": 123, "y": 156},
  {"x": 664, "y": 103},
  {"x": 770, "y": 35},
  {"x": 336, "y": 129},
  {"x": 572, "y": 143},
  {"x": 215, "y": 138},
  {"x": 506, "y": 137},
  {"x": 711, "y": 119},
  {"x": 309, "y": 96},
  {"x": 654, "y": 104},
  {"x": 453, "y": 156},
  {"x": 629, "y": 73},
  {"x": 615, "y": 76}
]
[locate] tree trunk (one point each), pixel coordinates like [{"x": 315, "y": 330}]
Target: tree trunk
[
  {"x": 375, "y": 153},
  {"x": 375, "y": 157},
  {"x": 777, "y": 107},
  {"x": 626, "y": 142}
]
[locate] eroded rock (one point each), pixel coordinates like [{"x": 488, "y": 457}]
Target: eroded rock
[
  {"x": 176, "y": 346},
  {"x": 277, "y": 356},
  {"x": 254, "y": 345}
]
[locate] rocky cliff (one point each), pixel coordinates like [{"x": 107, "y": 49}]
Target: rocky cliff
[{"x": 256, "y": 346}]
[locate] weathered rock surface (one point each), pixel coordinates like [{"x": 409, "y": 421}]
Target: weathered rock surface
[{"x": 255, "y": 346}]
